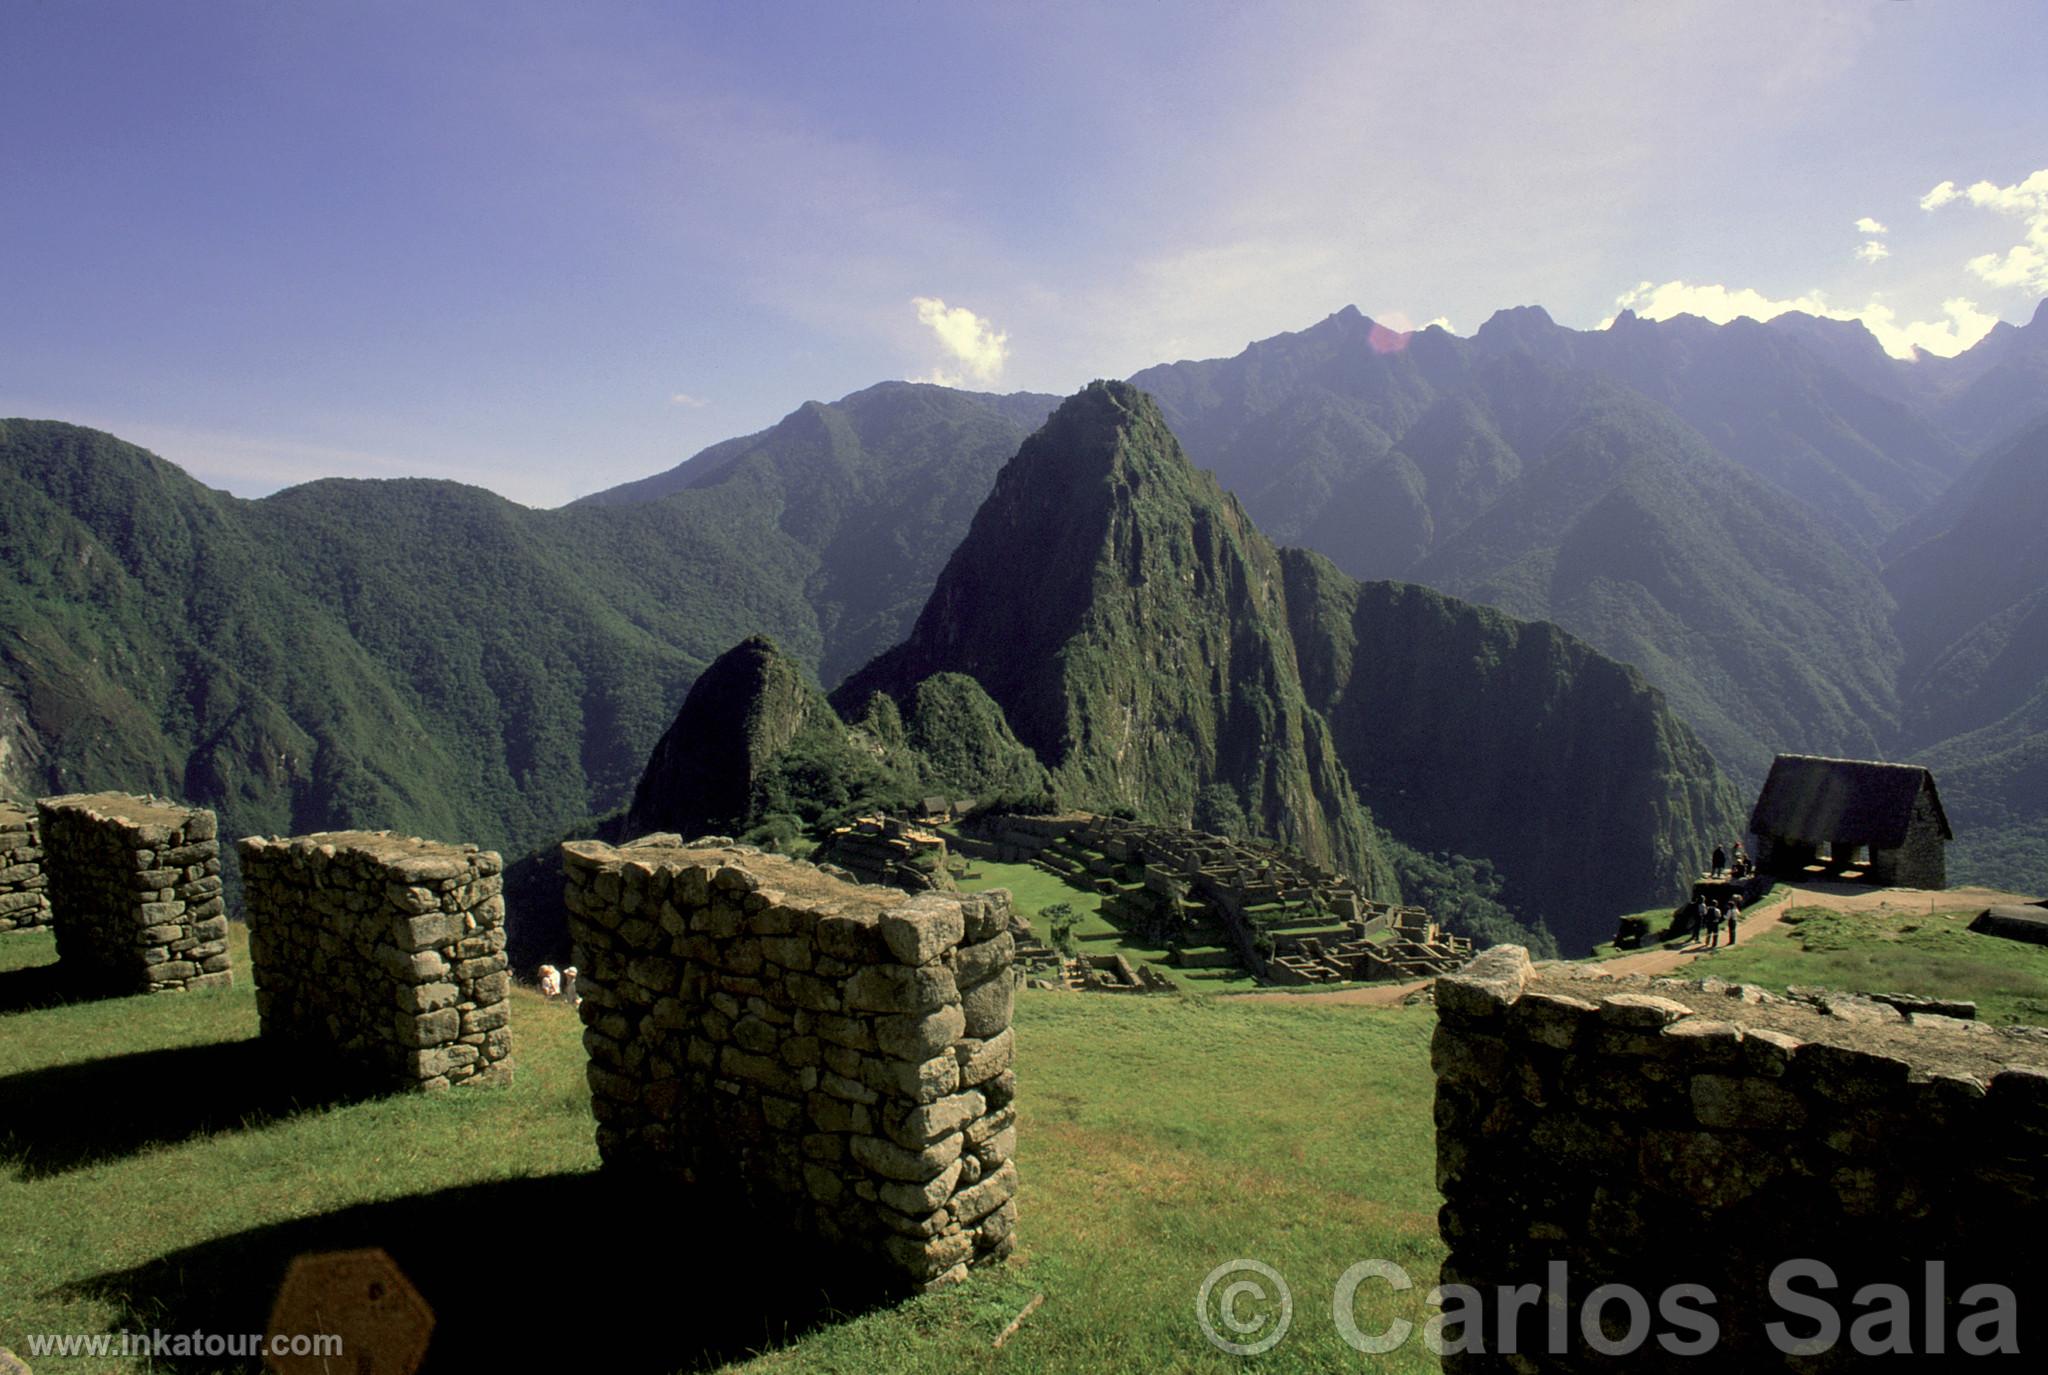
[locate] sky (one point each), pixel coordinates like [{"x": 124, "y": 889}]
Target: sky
[{"x": 549, "y": 248}]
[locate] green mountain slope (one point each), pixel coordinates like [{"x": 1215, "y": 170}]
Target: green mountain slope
[
  {"x": 430, "y": 656},
  {"x": 1470, "y": 732},
  {"x": 1973, "y": 619},
  {"x": 1629, "y": 532},
  {"x": 1132, "y": 626},
  {"x": 875, "y": 489},
  {"x": 410, "y": 654}
]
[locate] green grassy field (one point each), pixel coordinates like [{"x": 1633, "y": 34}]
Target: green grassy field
[
  {"x": 1034, "y": 889},
  {"x": 1893, "y": 952},
  {"x": 152, "y": 1176}
]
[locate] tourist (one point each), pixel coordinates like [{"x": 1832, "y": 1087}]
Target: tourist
[
  {"x": 1720, "y": 860},
  {"x": 1739, "y": 865},
  {"x": 1734, "y": 911},
  {"x": 1713, "y": 926},
  {"x": 569, "y": 993},
  {"x": 550, "y": 982}
]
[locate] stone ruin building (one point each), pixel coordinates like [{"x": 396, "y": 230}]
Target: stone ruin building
[
  {"x": 888, "y": 852},
  {"x": 24, "y": 896},
  {"x": 1221, "y": 902},
  {"x": 380, "y": 957},
  {"x": 836, "y": 1056},
  {"x": 1116, "y": 974},
  {"x": 1661, "y": 1132},
  {"x": 1883, "y": 820},
  {"x": 134, "y": 891}
]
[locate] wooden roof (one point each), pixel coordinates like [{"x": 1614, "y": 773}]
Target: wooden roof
[{"x": 1843, "y": 801}]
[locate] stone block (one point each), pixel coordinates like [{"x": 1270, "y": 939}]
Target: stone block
[
  {"x": 918, "y": 1039},
  {"x": 923, "y": 929},
  {"x": 1484, "y": 989}
]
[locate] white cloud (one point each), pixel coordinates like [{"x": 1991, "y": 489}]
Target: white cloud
[
  {"x": 1939, "y": 196},
  {"x": 1872, "y": 250},
  {"x": 973, "y": 342},
  {"x": 2021, "y": 198},
  {"x": 689, "y": 402},
  {"x": 1867, "y": 225},
  {"x": 1965, "y": 323},
  {"x": 2025, "y": 264}
]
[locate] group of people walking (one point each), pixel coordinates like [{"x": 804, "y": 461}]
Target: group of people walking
[{"x": 1709, "y": 917}]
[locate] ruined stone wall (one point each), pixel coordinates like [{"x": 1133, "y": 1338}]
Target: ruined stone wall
[
  {"x": 1921, "y": 860},
  {"x": 381, "y": 956},
  {"x": 23, "y": 899},
  {"x": 134, "y": 890},
  {"x": 889, "y": 852},
  {"x": 1701, "y": 1133},
  {"x": 834, "y": 1054}
]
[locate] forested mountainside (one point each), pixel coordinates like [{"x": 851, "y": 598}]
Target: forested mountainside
[
  {"x": 877, "y": 488},
  {"x": 1712, "y": 504},
  {"x": 1973, "y": 621},
  {"x": 429, "y": 656}
]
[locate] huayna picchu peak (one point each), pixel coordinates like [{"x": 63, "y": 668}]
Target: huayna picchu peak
[{"x": 1160, "y": 655}]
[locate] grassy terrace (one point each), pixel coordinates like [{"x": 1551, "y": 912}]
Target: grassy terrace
[
  {"x": 1034, "y": 890},
  {"x": 149, "y": 1178},
  {"x": 1894, "y": 952}
]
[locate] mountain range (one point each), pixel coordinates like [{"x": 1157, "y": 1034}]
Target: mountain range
[{"x": 1803, "y": 543}]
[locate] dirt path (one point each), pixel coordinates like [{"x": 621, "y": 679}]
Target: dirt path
[{"x": 1853, "y": 897}]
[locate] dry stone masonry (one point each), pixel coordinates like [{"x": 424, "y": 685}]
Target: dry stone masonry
[
  {"x": 24, "y": 901},
  {"x": 887, "y": 851},
  {"x": 836, "y": 1055},
  {"x": 135, "y": 892},
  {"x": 381, "y": 955},
  {"x": 1664, "y": 1133}
]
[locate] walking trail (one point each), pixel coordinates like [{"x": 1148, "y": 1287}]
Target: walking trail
[{"x": 1854, "y": 897}]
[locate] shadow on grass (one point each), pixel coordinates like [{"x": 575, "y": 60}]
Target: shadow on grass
[
  {"x": 583, "y": 1271},
  {"x": 44, "y": 985},
  {"x": 70, "y": 1116}
]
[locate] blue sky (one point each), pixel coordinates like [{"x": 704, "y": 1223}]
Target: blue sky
[{"x": 546, "y": 249}]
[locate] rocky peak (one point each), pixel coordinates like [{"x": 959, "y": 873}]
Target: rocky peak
[{"x": 741, "y": 713}]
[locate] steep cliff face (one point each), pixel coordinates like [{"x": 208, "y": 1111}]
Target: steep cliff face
[
  {"x": 750, "y": 737},
  {"x": 1468, "y": 731},
  {"x": 1132, "y": 625}
]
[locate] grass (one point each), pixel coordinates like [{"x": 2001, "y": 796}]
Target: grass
[
  {"x": 1034, "y": 889},
  {"x": 1935, "y": 955},
  {"x": 149, "y": 1178},
  {"x": 1662, "y": 936}
]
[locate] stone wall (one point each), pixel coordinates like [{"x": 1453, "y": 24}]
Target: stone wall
[
  {"x": 135, "y": 893},
  {"x": 381, "y": 956},
  {"x": 1666, "y": 1133},
  {"x": 1921, "y": 859},
  {"x": 889, "y": 852},
  {"x": 836, "y": 1055},
  {"x": 23, "y": 899}
]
